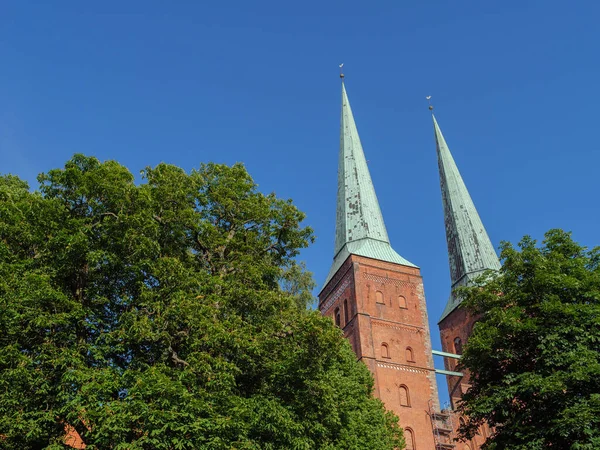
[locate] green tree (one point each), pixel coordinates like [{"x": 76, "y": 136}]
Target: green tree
[
  {"x": 534, "y": 356},
  {"x": 170, "y": 314}
]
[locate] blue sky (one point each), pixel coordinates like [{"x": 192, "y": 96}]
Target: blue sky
[{"x": 514, "y": 84}]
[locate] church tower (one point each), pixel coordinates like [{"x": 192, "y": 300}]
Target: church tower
[
  {"x": 470, "y": 253},
  {"x": 376, "y": 297}
]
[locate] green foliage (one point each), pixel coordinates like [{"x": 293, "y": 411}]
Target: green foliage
[
  {"x": 169, "y": 315},
  {"x": 534, "y": 356}
]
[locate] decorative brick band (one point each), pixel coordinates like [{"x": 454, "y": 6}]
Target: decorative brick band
[
  {"x": 394, "y": 281},
  {"x": 403, "y": 368},
  {"x": 396, "y": 326},
  {"x": 339, "y": 275},
  {"x": 337, "y": 294}
]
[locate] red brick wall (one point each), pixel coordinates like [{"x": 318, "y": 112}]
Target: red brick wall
[
  {"x": 72, "y": 438},
  {"x": 372, "y": 324},
  {"x": 459, "y": 324}
]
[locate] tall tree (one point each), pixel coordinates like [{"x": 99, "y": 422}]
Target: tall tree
[
  {"x": 534, "y": 356},
  {"x": 169, "y": 315}
]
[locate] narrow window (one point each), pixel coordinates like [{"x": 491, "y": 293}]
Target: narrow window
[
  {"x": 472, "y": 327},
  {"x": 385, "y": 350},
  {"x": 409, "y": 355},
  {"x": 458, "y": 346},
  {"x": 404, "y": 397},
  {"x": 402, "y": 302},
  {"x": 346, "y": 313},
  {"x": 379, "y": 297},
  {"x": 409, "y": 437},
  {"x": 337, "y": 316}
]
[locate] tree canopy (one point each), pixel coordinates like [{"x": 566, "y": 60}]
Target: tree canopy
[
  {"x": 169, "y": 314},
  {"x": 534, "y": 355}
]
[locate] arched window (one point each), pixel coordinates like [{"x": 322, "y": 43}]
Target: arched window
[
  {"x": 404, "y": 397},
  {"x": 402, "y": 301},
  {"x": 338, "y": 319},
  {"x": 346, "y": 313},
  {"x": 409, "y": 437},
  {"x": 458, "y": 346},
  {"x": 385, "y": 350},
  {"x": 409, "y": 355},
  {"x": 379, "y": 297}
]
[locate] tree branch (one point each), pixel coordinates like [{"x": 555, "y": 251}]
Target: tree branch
[{"x": 176, "y": 359}]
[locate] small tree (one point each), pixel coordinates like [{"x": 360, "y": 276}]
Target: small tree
[
  {"x": 534, "y": 356},
  {"x": 169, "y": 315}
]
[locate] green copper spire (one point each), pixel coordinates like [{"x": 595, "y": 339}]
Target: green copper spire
[
  {"x": 470, "y": 250},
  {"x": 359, "y": 226}
]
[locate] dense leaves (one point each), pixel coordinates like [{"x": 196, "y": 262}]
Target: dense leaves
[
  {"x": 534, "y": 356},
  {"x": 169, "y": 315}
]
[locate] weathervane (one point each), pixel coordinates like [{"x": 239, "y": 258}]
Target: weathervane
[
  {"x": 342, "y": 71},
  {"x": 429, "y": 101}
]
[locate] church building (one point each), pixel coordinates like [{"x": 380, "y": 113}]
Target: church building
[{"x": 377, "y": 298}]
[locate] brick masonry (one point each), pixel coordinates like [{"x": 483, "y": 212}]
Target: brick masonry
[
  {"x": 459, "y": 324},
  {"x": 388, "y": 329}
]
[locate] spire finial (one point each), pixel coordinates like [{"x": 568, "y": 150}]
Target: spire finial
[
  {"x": 342, "y": 71},
  {"x": 429, "y": 101}
]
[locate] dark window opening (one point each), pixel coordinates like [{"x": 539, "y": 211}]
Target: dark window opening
[{"x": 458, "y": 346}]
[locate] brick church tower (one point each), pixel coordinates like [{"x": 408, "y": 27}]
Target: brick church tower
[
  {"x": 470, "y": 253},
  {"x": 376, "y": 296}
]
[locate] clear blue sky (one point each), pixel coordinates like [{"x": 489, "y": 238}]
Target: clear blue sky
[{"x": 515, "y": 86}]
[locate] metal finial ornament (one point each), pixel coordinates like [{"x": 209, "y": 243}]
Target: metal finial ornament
[
  {"x": 342, "y": 71},
  {"x": 429, "y": 101}
]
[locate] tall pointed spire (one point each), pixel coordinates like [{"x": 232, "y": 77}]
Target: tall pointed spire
[
  {"x": 358, "y": 213},
  {"x": 360, "y": 229},
  {"x": 470, "y": 250}
]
